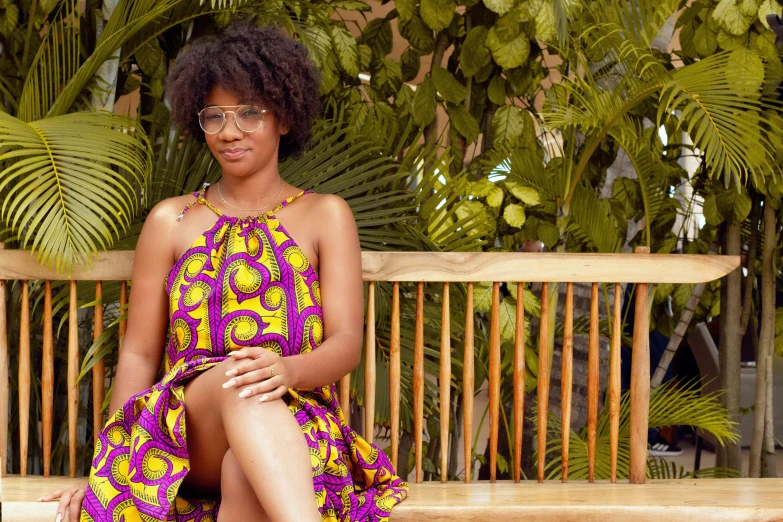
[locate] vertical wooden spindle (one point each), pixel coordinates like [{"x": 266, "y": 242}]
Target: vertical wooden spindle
[
  {"x": 73, "y": 373},
  {"x": 98, "y": 370},
  {"x": 567, "y": 379},
  {"x": 123, "y": 302},
  {"x": 345, "y": 397},
  {"x": 592, "y": 384},
  {"x": 394, "y": 374},
  {"x": 614, "y": 382},
  {"x": 4, "y": 377},
  {"x": 47, "y": 380},
  {"x": 543, "y": 379},
  {"x": 24, "y": 378},
  {"x": 494, "y": 381},
  {"x": 369, "y": 366},
  {"x": 519, "y": 382},
  {"x": 418, "y": 380},
  {"x": 445, "y": 384},
  {"x": 640, "y": 383},
  {"x": 467, "y": 384}
]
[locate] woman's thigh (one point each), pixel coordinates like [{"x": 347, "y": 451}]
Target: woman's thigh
[{"x": 204, "y": 433}]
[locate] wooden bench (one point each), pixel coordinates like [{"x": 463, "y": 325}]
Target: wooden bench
[{"x": 728, "y": 499}]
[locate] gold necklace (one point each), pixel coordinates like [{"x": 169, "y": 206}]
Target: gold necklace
[{"x": 249, "y": 209}]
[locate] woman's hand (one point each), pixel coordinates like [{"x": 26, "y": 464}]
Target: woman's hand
[
  {"x": 70, "y": 502},
  {"x": 261, "y": 371}
]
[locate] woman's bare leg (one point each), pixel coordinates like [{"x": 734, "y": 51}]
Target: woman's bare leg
[
  {"x": 238, "y": 500},
  {"x": 264, "y": 438}
]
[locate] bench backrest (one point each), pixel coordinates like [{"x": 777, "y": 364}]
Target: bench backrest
[{"x": 641, "y": 268}]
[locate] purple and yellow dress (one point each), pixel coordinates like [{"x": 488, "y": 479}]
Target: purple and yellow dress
[{"x": 244, "y": 282}]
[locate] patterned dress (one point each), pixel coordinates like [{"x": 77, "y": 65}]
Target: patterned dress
[{"x": 244, "y": 282}]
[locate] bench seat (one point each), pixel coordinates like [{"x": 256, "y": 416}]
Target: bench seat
[{"x": 659, "y": 500}]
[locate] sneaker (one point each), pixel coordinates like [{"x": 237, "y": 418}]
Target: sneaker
[{"x": 662, "y": 449}]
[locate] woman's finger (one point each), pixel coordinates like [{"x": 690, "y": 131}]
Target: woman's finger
[
  {"x": 262, "y": 387},
  {"x": 75, "y": 506},
  {"x": 250, "y": 377},
  {"x": 62, "y": 507},
  {"x": 54, "y": 495},
  {"x": 248, "y": 364},
  {"x": 277, "y": 393}
]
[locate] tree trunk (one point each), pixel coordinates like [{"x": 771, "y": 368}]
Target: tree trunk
[
  {"x": 103, "y": 98},
  {"x": 441, "y": 44},
  {"x": 762, "y": 431},
  {"x": 729, "y": 349}
]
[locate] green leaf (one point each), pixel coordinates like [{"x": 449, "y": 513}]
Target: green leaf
[
  {"x": 729, "y": 14},
  {"x": 729, "y": 42},
  {"x": 378, "y": 35},
  {"x": 387, "y": 77},
  {"x": 406, "y": 8},
  {"x": 745, "y": 72},
  {"x": 437, "y": 14},
  {"x": 496, "y": 92},
  {"x": 500, "y": 7},
  {"x": 474, "y": 54},
  {"x": 447, "y": 86},
  {"x": 418, "y": 34},
  {"x": 514, "y": 215},
  {"x": 8, "y": 20},
  {"x": 424, "y": 103},
  {"x": 346, "y": 49},
  {"x": 711, "y": 213},
  {"x": 510, "y": 54},
  {"x": 548, "y": 233},
  {"x": 495, "y": 197},
  {"x": 410, "y": 63},
  {"x": 705, "y": 40},
  {"x": 527, "y": 195},
  {"x": 508, "y": 123},
  {"x": 71, "y": 182},
  {"x": 769, "y": 7},
  {"x": 465, "y": 124},
  {"x": 734, "y": 204}
]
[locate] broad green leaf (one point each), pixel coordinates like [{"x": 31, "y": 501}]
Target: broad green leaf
[
  {"x": 8, "y": 20},
  {"x": 548, "y": 233},
  {"x": 500, "y": 7},
  {"x": 425, "y": 103},
  {"x": 496, "y": 92},
  {"x": 463, "y": 121},
  {"x": 387, "y": 77},
  {"x": 530, "y": 300},
  {"x": 705, "y": 40},
  {"x": 710, "y": 210},
  {"x": 437, "y": 14},
  {"x": 447, "y": 86},
  {"x": 350, "y": 5},
  {"x": 508, "y": 123},
  {"x": 745, "y": 71},
  {"x": 378, "y": 35},
  {"x": 729, "y": 14},
  {"x": 151, "y": 59},
  {"x": 406, "y": 8},
  {"x": 508, "y": 25},
  {"x": 527, "y": 195},
  {"x": 480, "y": 188},
  {"x": 545, "y": 23},
  {"x": 418, "y": 34},
  {"x": 346, "y": 49},
  {"x": 508, "y": 54},
  {"x": 749, "y": 7},
  {"x": 729, "y": 42},
  {"x": 508, "y": 319},
  {"x": 474, "y": 54},
  {"x": 769, "y": 7},
  {"x": 495, "y": 197},
  {"x": 733, "y": 204},
  {"x": 514, "y": 215},
  {"x": 410, "y": 63}
]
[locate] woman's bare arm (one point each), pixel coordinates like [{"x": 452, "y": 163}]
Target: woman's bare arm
[
  {"x": 142, "y": 349},
  {"x": 342, "y": 299}
]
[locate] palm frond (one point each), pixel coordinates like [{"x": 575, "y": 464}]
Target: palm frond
[{"x": 70, "y": 183}]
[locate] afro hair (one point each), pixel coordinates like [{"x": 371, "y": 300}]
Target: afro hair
[{"x": 257, "y": 63}]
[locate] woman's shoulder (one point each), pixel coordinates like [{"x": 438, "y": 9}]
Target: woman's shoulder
[{"x": 329, "y": 207}]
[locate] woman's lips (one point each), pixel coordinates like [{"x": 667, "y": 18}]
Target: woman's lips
[{"x": 233, "y": 154}]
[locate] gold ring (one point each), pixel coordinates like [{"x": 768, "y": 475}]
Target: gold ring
[{"x": 272, "y": 369}]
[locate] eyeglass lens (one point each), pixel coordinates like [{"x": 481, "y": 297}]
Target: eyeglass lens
[{"x": 248, "y": 118}]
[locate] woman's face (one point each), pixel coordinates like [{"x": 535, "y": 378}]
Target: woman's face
[{"x": 242, "y": 153}]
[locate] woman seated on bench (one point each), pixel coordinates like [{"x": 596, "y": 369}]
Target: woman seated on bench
[{"x": 259, "y": 286}]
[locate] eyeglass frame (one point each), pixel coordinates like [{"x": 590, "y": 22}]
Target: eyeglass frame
[{"x": 234, "y": 112}]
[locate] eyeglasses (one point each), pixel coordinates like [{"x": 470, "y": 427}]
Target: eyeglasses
[{"x": 248, "y": 118}]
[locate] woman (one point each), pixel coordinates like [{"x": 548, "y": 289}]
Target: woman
[{"x": 245, "y": 421}]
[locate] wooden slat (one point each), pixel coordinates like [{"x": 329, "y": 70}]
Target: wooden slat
[
  {"x": 566, "y": 380},
  {"x": 345, "y": 397},
  {"x": 418, "y": 381},
  {"x": 614, "y": 381},
  {"x": 47, "y": 380},
  {"x": 519, "y": 382},
  {"x": 660, "y": 500},
  {"x": 4, "y": 376},
  {"x": 445, "y": 385},
  {"x": 73, "y": 373},
  {"x": 640, "y": 384},
  {"x": 369, "y": 366},
  {"x": 467, "y": 385},
  {"x": 98, "y": 370},
  {"x": 24, "y": 377},
  {"x": 448, "y": 266},
  {"x": 494, "y": 381},
  {"x": 123, "y": 302},
  {"x": 543, "y": 379},
  {"x": 592, "y": 384},
  {"x": 394, "y": 374}
]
